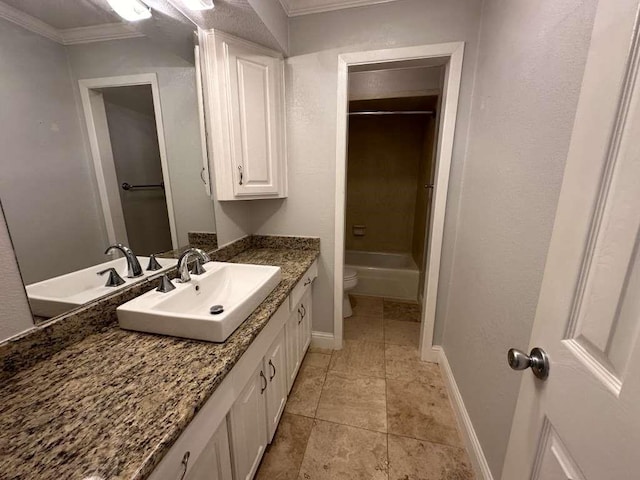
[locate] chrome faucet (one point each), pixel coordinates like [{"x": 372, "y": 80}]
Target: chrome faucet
[
  {"x": 183, "y": 263},
  {"x": 133, "y": 265}
]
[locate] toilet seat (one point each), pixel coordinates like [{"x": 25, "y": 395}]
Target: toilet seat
[
  {"x": 350, "y": 282},
  {"x": 350, "y": 273}
]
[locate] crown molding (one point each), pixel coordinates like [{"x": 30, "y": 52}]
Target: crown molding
[
  {"x": 98, "y": 33},
  {"x": 68, "y": 36},
  {"x": 285, "y": 7},
  {"x": 28, "y": 22},
  {"x": 293, "y": 11}
]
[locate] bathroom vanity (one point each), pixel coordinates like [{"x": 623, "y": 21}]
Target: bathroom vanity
[{"x": 232, "y": 430}]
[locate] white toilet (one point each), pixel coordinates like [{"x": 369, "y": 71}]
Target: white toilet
[{"x": 350, "y": 282}]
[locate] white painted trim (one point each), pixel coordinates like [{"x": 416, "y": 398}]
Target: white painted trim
[
  {"x": 98, "y": 33},
  {"x": 28, "y": 22},
  {"x": 293, "y": 11},
  {"x": 322, "y": 340},
  {"x": 474, "y": 448},
  {"x": 453, "y": 52},
  {"x": 68, "y": 36},
  {"x": 126, "y": 80}
]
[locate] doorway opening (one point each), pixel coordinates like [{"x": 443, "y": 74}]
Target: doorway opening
[
  {"x": 124, "y": 124},
  {"x": 396, "y": 118}
]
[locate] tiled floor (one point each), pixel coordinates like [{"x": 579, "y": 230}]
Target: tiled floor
[{"x": 370, "y": 411}]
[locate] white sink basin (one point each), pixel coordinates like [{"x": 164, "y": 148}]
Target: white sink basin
[
  {"x": 185, "y": 311},
  {"x": 59, "y": 294}
]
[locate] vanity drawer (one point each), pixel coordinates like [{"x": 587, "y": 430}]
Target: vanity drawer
[{"x": 305, "y": 282}]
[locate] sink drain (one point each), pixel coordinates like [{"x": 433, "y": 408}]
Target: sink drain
[{"x": 216, "y": 310}]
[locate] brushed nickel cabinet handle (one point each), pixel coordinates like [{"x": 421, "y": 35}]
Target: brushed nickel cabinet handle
[
  {"x": 185, "y": 464},
  {"x": 265, "y": 382},
  {"x": 271, "y": 377}
]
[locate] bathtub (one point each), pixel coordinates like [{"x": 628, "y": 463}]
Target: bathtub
[{"x": 391, "y": 275}]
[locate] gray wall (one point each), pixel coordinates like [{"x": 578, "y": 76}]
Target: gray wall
[
  {"x": 311, "y": 81},
  {"x": 15, "y": 315},
  {"x": 176, "y": 79},
  {"x": 46, "y": 184},
  {"x": 530, "y": 65}
]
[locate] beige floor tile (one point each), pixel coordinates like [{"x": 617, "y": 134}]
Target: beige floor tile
[
  {"x": 402, "y": 333},
  {"x": 320, "y": 360},
  {"x": 337, "y": 452},
  {"x": 305, "y": 394},
  {"x": 403, "y": 363},
  {"x": 327, "y": 351},
  {"x": 411, "y": 459},
  {"x": 366, "y": 306},
  {"x": 354, "y": 400},
  {"x": 283, "y": 457},
  {"x": 363, "y": 329},
  {"x": 403, "y": 311},
  {"x": 421, "y": 411},
  {"x": 359, "y": 358}
]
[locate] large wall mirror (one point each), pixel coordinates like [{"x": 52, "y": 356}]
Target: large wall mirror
[{"x": 101, "y": 144}]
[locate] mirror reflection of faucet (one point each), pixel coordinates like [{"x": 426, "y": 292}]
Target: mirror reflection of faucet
[
  {"x": 133, "y": 265},
  {"x": 114, "y": 279}
]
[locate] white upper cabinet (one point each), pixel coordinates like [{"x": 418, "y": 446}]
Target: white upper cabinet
[{"x": 244, "y": 90}]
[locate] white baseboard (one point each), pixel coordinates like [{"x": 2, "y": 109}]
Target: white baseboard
[
  {"x": 478, "y": 460},
  {"x": 322, "y": 340}
]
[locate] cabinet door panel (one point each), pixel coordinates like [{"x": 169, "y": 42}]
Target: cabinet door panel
[
  {"x": 293, "y": 347},
  {"x": 255, "y": 152},
  {"x": 214, "y": 463},
  {"x": 276, "y": 370},
  {"x": 249, "y": 426}
]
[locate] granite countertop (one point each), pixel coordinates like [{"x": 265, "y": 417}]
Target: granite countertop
[{"x": 112, "y": 404}]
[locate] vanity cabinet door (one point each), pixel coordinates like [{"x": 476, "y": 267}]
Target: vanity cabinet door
[
  {"x": 305, "y": 324},
  {"x": 275, "y": 367},
  {"x": 245, "y": 90},
  {"x": 248, "y": 419},
  {"x": 214, "y": 463},
  {"x": 292, "y": 331}
]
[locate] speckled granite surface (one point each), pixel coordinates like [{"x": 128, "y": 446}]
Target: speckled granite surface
[{"x": 113, "y": 403}]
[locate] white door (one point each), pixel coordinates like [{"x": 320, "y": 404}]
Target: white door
[
  {"x": 249, "y": 426},
  {"x": 214, "y": 463},
  {"x": 255, "y": 85},
  {"x": 275, "y": 368},
  {"x": 583, "y": 422}
]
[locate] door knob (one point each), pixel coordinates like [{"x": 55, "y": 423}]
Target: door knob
[{"x": 537, "y": 360}]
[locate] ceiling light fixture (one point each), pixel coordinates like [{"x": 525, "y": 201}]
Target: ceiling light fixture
[
  {"x": 199, "y": 4},
  {"x": 130, "y": 10}
]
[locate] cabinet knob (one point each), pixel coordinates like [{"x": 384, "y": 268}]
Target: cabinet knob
[{"x": 240, "y": 170}]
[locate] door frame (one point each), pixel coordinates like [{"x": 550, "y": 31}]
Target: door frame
[
  {"x": 100, "y": 144},
  {"x": 451, "y": 54}
]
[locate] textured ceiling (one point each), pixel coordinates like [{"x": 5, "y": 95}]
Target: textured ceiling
[{"x": 62, "y": 14}]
